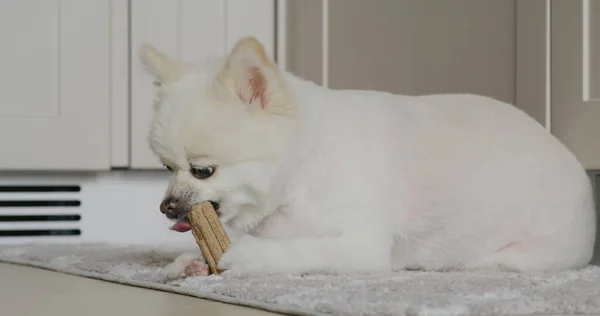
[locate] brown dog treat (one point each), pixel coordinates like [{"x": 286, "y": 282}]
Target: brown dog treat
[
  {"x": 216, "y": 225},
  {"x": 208, "y": 257},
  {"x": 209, "y": 234}
]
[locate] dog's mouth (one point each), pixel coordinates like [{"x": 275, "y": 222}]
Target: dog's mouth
[{"x": 183, "y": 225}]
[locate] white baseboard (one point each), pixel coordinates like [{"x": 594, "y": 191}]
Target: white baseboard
[{"x": 119, "y": 207}]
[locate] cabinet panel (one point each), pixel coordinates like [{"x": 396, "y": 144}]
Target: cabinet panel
[
  {"x": 424, "y": 47},
  {"x": 575, "y": 78},
  {"x": 33, "y": 43},
  {"x": 405, "y": 46},
  {"x": 193, "y": 30},
  {"x": 54, "y": 84}
]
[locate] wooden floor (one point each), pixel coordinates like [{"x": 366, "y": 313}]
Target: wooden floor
[{"x": 26, "y": 291}]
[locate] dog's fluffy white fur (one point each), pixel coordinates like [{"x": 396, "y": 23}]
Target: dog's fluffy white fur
[{"x": 311, "y": 179}]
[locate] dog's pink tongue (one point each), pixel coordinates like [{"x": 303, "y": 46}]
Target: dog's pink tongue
[{"x": 181, "y": 226}]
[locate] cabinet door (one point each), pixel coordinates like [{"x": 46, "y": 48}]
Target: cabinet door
[
  {"x": 191, "y": 30},
  {"x": 54, "y": 84},
  {"x": 575, "y": 111},
  {"x": 407, "y": 47}
]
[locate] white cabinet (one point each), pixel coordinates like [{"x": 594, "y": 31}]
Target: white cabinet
[
  {"x": 72, "y": 93},
  {"x": 54, "y": 84},
  {"x": 192, "y": 30}
]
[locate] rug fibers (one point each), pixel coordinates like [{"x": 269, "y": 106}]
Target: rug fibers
[{"x": 398, "y": 293}]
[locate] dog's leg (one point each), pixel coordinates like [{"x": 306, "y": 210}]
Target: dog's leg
[
  {"x": 187, "y": 264},
  {"x": 193, "y": 263},
  {"x": 356, "y": 251}
]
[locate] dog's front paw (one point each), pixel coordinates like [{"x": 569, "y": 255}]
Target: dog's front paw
[
  {"x": 186, "y": 265},
  {"x": 244, "y": 257}
]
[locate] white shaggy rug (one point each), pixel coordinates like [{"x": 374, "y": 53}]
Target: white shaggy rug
[{"x": 399, "y": 293}]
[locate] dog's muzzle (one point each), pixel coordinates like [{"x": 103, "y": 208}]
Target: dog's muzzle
[{"x": 173, "y": 208}]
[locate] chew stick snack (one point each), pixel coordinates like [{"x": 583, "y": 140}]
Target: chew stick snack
[{"x": 209, "y": 234}]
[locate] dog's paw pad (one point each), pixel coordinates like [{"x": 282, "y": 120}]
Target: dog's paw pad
[
  {"x": 186, "y": 265},
  {"x": 197, "y": 268}
]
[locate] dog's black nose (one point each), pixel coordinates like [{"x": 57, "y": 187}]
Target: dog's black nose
[{"x": 171, "y": 207}]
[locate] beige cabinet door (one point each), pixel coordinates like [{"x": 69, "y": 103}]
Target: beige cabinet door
[
  {"x": 54, "y": 85},
  {"x": 192, "y": 30},
  {"x": 575, "y": 88},
  {"x": 406, "y": 46}
]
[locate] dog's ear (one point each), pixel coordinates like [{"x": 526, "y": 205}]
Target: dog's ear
[
  {"x": 158, "y": 64},
  {"x": 254, "y": 79}
]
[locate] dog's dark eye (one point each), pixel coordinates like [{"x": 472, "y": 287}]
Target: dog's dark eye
[
  {"x": 168, "y": 168},
  {"x": 202, "y": 172}
]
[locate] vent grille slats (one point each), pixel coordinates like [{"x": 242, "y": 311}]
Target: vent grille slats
[
  {"x": 40, "y": 218},
  {"x": 39, "y": 188},
  {"x": 40, "y": 203},
  {"x": 22, "y": 204},
  {"x": 40, "y": 232}
]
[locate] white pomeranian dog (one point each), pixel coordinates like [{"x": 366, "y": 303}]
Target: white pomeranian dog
[{"x": 309, "y": 179}]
